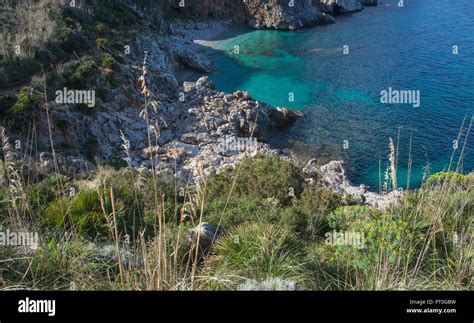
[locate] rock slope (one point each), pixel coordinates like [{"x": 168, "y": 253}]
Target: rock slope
[
  {"x": 278, "y": 14},
  {"x": 272, "y": 14}
]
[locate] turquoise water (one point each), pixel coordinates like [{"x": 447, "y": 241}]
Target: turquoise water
[{"x": 407, "y": 48}]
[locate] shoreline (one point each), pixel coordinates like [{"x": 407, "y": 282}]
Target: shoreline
[
  {"x": 333, "y": 171},
  {"x": 202, "y": 35}
]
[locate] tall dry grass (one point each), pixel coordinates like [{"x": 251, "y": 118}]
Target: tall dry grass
[{"x": 28, "y": 24}]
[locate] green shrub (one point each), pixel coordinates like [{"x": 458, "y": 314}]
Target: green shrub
[
  {"x": 16, "y": 70},
  {"x": 70, "y": 23},
  {"x": 344, "y": 217},
  {"x": 101, "y": 29},
  {"x": 84, "y": 73},
  {"x": 256, "y": 251},
  {"x": 71, "y": 41},
  {"x": 69, "y": 69},
  {"x": 448, "y": 178},
  {"x": 85, "y": 211},
  {"x": 262, "y": 177},
  {"x": 55, "y": 266},
  {"x": 319, "y": 201},
  {"x": 386, "y": 239},
  {"x": 82, "y": 213},
  {"x": 263, "y": 193},
  {"x": 107, "y": 61},
  {"x": 102, "y": 43},
  {"x": 27, "y": 100},
  {"x": 443, "y": 213},
  {"x": 317, "y": 204},
  {"x": 45, "y": 191},
  {"x": 303, "y": 225},
  {"x": 239, "y": 210}
]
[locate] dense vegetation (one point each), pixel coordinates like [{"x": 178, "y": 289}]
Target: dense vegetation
[{"x": 271, "y": 238}]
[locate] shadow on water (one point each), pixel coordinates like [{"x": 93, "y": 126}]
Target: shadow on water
[{"x": 205, "y": 47}]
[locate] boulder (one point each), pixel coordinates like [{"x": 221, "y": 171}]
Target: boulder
[
  {"x": 204, "y": 82},
  {"x": 193, "y": 60},
  {"x": 167, "y": 84},
  {"x": 284, "y": 117},
  {"x": 277, "y": 14},
  {"x": 204, "y": 236}
]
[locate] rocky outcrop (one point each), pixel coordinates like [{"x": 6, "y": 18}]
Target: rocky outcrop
[
  {"x": 272, "y": 14},
  {"x": 260, "y": 14},
  {"x": 333, "y": 176},
  {"x": 279, "y": 14},
  {"x": 205, "y": 132},
  {"x": 200, "y": 129},
  {"x": 66, "y": 164},
  {"x": 341, "y": 6},
  {"x": 189, "y": 58}
]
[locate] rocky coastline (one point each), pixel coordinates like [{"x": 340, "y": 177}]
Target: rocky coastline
[{"x": 196, "y": 129}]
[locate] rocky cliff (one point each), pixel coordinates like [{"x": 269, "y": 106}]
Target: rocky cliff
[
  {"x": 272, "y": 14},
  {"x": 279, "y": 14},
  {"x": 341, "y": 6},
  {"x": 200, "y": 129}
]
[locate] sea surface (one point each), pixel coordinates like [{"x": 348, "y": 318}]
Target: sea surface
[{"x": 403, "y": 48}]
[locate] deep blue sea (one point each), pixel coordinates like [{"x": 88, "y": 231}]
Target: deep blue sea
[{"x": 407, "y": 48}]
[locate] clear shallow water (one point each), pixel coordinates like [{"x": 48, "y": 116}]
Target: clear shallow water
[{"x": 406, "y": 48}]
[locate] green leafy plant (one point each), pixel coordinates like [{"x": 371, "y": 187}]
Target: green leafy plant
[
  {"x": 28, "y": 99},
  {"x": 108, "y": 61},
  {"x": 102, "y": 43}
]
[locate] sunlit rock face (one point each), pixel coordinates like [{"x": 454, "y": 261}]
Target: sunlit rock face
[
  {"x": 260, "y": 14},
  {"x": 341, "y": 6},
  {"x": 281, "y": 14}
]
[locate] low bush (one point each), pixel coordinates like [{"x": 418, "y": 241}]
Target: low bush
[
  {"x": 102, "y": 43},
  {"x": 262, "y": 177},
  {"x": 67, "y": 265},
  {"x": 84, "y": 73},
  {"x": 107, "y": 61},
  {"x": 27, "y": 101},
  {"x": 256, "y": 251},
  {"x": 71, "y": 41},
  {"x": 450, "y": 178}
]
